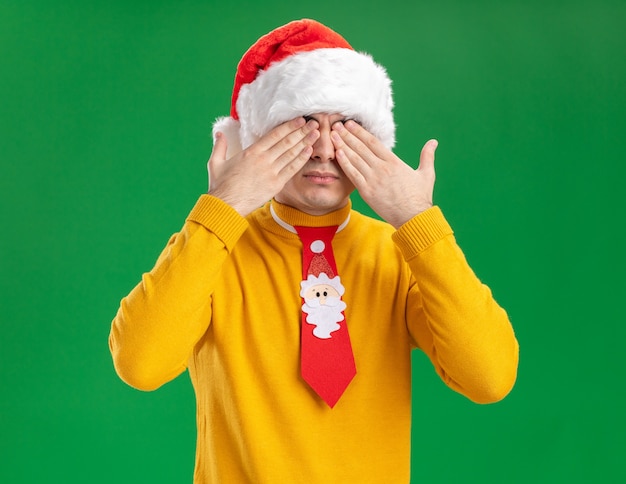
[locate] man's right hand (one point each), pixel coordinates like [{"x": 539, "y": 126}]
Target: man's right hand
[{"x": 252, "y": 177}]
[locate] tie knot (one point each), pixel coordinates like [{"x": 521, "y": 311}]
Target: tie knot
[{"x": 316, "y": 239}]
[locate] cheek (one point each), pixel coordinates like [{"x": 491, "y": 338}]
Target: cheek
[{"x": 347, "y": 185}]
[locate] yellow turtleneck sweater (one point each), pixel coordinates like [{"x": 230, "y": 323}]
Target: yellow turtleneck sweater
[{"x": 223, "y": 301}]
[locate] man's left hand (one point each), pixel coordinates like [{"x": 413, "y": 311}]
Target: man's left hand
[{"x": 394, "y": 190}]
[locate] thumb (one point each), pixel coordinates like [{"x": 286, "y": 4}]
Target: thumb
[
  {"x": 427, "y": 156},
  {"x": 218, "y": 155},
  {"x": 217, "y": 158}
]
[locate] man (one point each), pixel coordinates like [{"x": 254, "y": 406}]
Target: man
[{"x": 294, "y": 314}]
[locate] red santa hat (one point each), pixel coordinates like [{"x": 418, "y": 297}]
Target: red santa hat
[{"x": 300, "y": 69}]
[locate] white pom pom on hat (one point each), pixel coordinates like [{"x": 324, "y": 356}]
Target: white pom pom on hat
[{"x": 303, "y": 68}]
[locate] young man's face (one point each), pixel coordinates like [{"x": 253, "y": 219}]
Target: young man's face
[{"x": 320, "y": 186}]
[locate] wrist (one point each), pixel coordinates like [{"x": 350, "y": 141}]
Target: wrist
[
  {"x": 242, "y": 207},
  {"x": 399, "y": 218}
]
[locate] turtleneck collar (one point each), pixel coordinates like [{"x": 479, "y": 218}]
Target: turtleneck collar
[{"x": 293, "y": 217}]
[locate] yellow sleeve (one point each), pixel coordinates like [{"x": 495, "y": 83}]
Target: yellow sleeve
[
  {"x": 466, "y": 334},
  {"x": 163, "y": 317}
]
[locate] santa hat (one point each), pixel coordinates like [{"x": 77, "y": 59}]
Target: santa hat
[{"x": 300, "y": 69}]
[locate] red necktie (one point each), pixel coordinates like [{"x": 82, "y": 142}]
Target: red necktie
[{"x": 327, "y": 363}]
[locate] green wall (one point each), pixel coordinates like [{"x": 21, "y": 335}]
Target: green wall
[{"x": 105, "y": 116}]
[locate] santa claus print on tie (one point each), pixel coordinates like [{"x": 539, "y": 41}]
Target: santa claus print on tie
[{"x": 323, "y": 304}]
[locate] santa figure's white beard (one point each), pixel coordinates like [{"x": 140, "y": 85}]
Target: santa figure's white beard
[{"x": 324, "y": 317}]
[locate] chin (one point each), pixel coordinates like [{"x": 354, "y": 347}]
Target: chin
[
  {"x": 321, "y": 206},
  {"x": 315, "y": 203}
]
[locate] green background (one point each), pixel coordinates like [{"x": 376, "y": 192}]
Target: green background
[{"x": 105, "y": 116}]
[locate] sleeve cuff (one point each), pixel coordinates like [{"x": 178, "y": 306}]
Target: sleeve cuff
[
  {"x": 219, "y": 218},
  {"x": 421, "y": 232}
]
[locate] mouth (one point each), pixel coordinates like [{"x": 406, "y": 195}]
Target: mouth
[{"x": 321, "y": 178}]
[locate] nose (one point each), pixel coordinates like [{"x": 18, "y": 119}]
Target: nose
[{"x": 323, "y": 148}]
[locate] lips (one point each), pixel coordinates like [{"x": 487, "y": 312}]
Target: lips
[{"x": 321, "y": 177}]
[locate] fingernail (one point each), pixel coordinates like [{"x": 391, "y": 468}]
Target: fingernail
[{"x": 338, "y": 126}]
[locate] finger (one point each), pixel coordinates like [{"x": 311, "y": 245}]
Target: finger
[
  {"x": 372, "y": 143},
  {"x": 427, "y": 156},
  {"x": 295, "y": 163},
  {"x": 354, "y": 174},
  {"x": 296, "y": 151},
  {"x": 219, "y": 147},
  {"x": 352, "y": 144},
  {"x": 218, "y": 156},
  {"x": 295, "y": 141},
  {"x": 278, "y": 133},
  {"x": 348, "y": 154}
]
